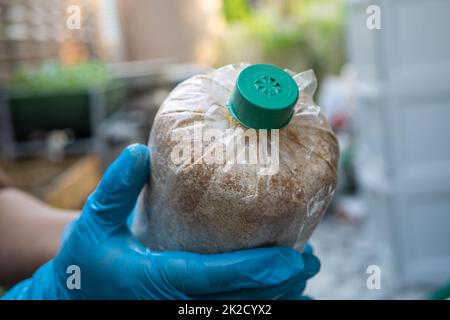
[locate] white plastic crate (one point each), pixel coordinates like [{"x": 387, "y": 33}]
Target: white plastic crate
[{"x": 403, "y": 121}]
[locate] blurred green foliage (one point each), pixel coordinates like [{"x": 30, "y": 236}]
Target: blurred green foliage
[
  {"x": 236, "y": 10},
  {"x": 294, "y": 34},
  {"x": 53, "y": 77}
]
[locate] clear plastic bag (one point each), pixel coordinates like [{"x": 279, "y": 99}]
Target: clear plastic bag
[{"x": 272, "y": 189}]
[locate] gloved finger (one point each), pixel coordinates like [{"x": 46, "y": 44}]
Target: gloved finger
[
  {"x": 131, "y": 216},
  {"x": 116, "y": 195},
  {"x": 308, "y": 248},
  {"x": 255, "y": 268},
  {"x": 312, "y": 266},
  {"x": 291, "y": 289},
  {"x": 293, "y": 292}
]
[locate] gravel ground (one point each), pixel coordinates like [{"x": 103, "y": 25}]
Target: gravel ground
[{"x": 345, "y": 254}]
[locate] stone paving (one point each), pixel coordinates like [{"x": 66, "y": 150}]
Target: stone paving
[{"x": 345, "y": 254}]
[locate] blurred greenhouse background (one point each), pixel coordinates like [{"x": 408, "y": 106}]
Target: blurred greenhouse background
[
  {"x": 72, "y": 96},
  {"x": 277, "y": 31}
]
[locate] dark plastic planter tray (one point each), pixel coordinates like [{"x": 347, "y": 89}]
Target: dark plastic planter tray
[{"x": 70, "y": 110}]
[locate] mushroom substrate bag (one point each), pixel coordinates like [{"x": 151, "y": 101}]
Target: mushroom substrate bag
[{"x": 231, "y": 169}]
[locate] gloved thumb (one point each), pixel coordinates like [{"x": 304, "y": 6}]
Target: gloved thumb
[{"x": 113, "y": 200}]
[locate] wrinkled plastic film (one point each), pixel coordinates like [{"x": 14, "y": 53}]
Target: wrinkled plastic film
[{"x": 198, "y": 203}]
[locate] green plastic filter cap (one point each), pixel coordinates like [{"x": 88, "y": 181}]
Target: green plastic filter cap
[{"x": 264, "y": 97}]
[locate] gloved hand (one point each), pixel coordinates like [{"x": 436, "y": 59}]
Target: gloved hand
[{"x": 114, "y": 265}]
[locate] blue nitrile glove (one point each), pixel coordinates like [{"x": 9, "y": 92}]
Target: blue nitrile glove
[{"x": 114, "y": 265}]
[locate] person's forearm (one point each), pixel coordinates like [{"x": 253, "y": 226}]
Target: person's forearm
[{"x": 30, "y": 233}]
